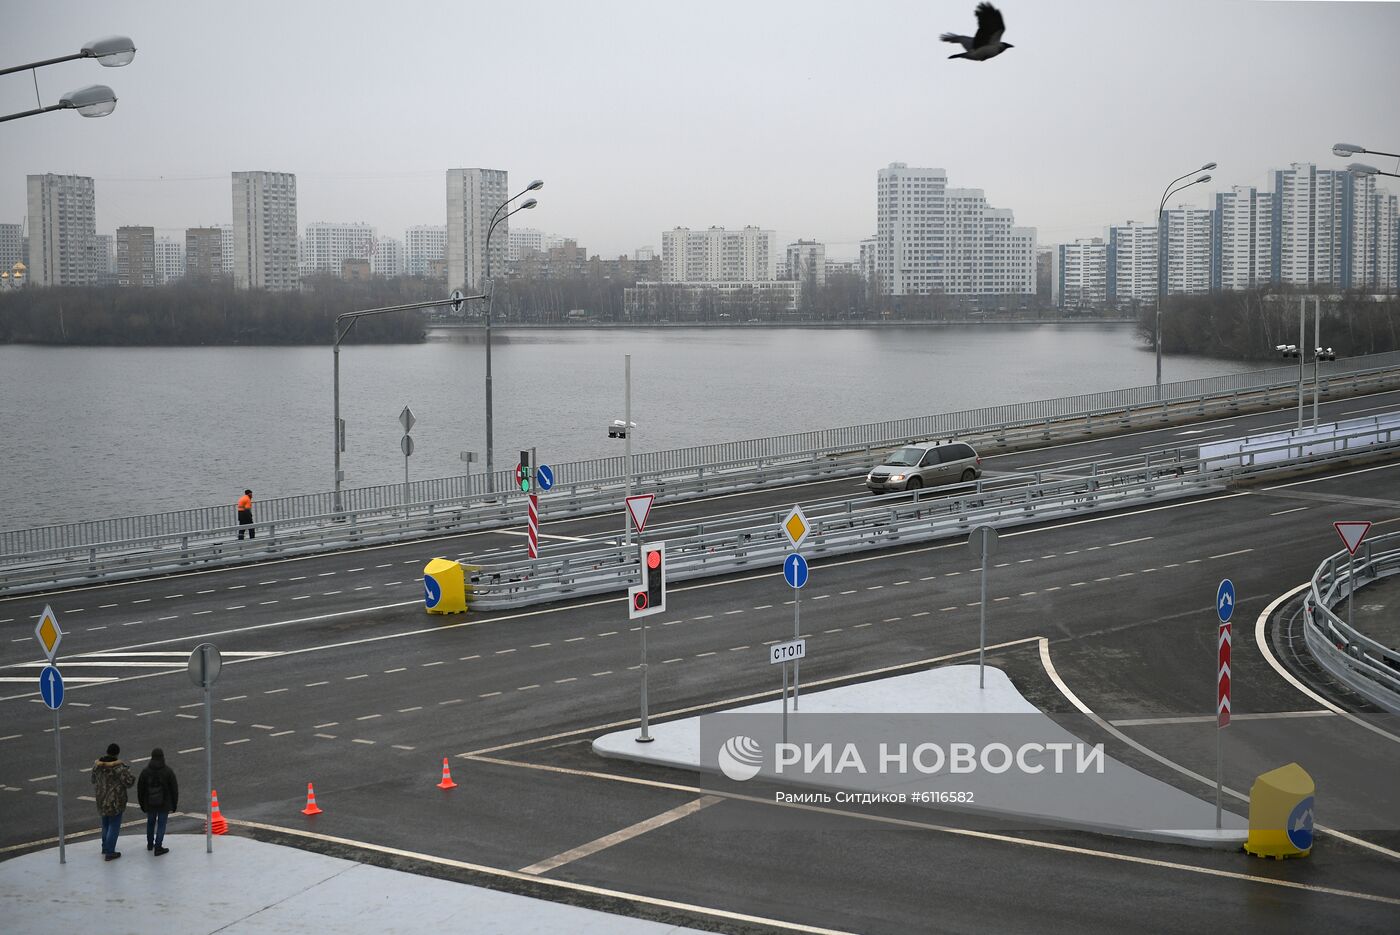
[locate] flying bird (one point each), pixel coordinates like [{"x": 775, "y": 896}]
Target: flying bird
[{"x": 987, "y": 43}]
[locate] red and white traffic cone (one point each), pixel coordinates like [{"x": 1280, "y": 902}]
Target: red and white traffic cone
[
  {"x": 311, "y": 807},
  {"x": 447, "y": 782}
]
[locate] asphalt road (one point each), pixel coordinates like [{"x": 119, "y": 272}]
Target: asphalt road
[{"x": 344, "y": 681}]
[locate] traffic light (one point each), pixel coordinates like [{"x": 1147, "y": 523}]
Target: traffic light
[
  {"x": 525, "y": 474},
  {"x": 649, "y": 597}
]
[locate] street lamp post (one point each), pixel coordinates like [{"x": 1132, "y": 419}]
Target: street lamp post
[
  {"x": 95, "y": 100},
  {"x": 344, "y": 323},
  {"x": 496, "y": 218},
  {"x": 1163, "y": 261}
]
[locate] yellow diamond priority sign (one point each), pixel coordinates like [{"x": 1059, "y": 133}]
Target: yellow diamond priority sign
[
  {"x": 795, "y": 526},
  {"x": 48, "y": 633}
]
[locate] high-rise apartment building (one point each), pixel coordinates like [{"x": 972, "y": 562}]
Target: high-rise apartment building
[
  {"x": 473, "y": 195},
  {"x": 204, "y": 254},
  {"x": 1368, "y": 249},
  {"x": 136, "y": 256},
  {"x": 1242, "y": 239},
  {"x": 329, "y": 245},
  {"x": 1185, "y": 248},
  {"x": 1131, "y": 273},
  {"x": 869, "y": 251},
  {"x": 227, "y": 231},
  {"x": 806, "y": 263},
  {"x": 719, "y": 255},
  {"x": 933, "y": 239},
  {"x": 265, "y": 230},
  {"x": 170, "y": 260},
  {"x": 11, "y": 245},
  {"x": 424, "y": 245},
  {"x": 1308, "y": 225},
  {"x": 62, "y": 230},
  {"x": 525, "y": 241},
  {"x": 1079, "y": 274},
  {"x": 387, "y": 260},
  {"x": 105, "y": 264}
]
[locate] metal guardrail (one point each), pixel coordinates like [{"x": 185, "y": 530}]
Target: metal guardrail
[
  {"x": 1023, "y": 420},
  {"x": 1365, "y": 665},
  {"x": 839, "y": 527}
]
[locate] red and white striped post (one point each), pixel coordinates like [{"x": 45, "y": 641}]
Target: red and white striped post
[
  {"x": 534, "y": 547},
  {"x": 1222, "y": 704}
]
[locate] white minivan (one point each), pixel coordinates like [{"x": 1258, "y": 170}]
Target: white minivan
[{"x": 927, "y": 465}]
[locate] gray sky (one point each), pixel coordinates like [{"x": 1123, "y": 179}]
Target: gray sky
[{"x": 642, "y": 115}]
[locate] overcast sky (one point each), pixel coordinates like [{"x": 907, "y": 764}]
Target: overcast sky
[{"x": 641, "y": 115}]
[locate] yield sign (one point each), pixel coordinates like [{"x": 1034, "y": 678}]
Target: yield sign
[
  {"x": 1352, "y": 534},
  {"x": 1222, "y": 694},
  {"x": 640, "y": 508}
]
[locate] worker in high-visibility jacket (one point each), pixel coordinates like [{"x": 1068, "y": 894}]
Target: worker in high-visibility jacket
[{"x": 245, "y": 515}]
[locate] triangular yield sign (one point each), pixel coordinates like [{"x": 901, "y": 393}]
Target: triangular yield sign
[
  {"x": 640, "y": 508},
  {"x": 1352, "y": 534}
]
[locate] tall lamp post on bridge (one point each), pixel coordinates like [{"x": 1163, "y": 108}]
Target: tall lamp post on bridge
[
  {"x": 497, "y": 218},
  {"x": 1163, "y": 260},
  {"x": 95, "y": 100},
  {"x": 344, "y": 323}
]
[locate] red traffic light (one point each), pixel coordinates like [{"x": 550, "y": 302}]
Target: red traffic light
[
  {"x": 639, "y": 600},
  {"x": 653, "y": 559}
]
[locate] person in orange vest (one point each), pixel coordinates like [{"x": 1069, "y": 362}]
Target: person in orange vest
[{"x": 245, "y": 515}]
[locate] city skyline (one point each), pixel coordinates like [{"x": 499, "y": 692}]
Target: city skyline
[{"x": 618, "y": 170}]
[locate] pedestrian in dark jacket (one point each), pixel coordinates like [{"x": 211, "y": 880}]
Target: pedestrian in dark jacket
[
  {"x": 158, "y": 794},
  {"x": 111, "y": 778}
]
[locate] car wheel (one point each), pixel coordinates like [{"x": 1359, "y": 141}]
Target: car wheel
[
  {"x": 914, "y": 483},
  {"x": 969, "y": 475}
]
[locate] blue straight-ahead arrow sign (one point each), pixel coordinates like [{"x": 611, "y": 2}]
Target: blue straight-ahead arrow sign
[
  {"x": 51, "y": 687},
  {"x": 795, "y": 570}
]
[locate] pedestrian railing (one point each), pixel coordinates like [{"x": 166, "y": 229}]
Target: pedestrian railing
[{"x": 1364, "y": 664}]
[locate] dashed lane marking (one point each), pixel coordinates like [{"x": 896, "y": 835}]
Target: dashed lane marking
[{"x": 625, "y": 834}]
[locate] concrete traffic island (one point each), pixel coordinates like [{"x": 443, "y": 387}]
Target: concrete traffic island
[
  {"x": 249, "y": 886},
  {"x": 941, "y": 708}
]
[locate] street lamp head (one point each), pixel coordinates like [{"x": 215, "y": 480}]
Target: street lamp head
[
  {"x": 95, "y": 100},
  {"x": 1208, "y": 166},
  {"x": 535, "y": 186},
  {"x": 1360, "y": 168},
  {"x": 1202, "y": 178},
  {"x": 111, "y": 52},
  {"x": 1347, "y": 149},
  {"x": 529, "y": 203}
]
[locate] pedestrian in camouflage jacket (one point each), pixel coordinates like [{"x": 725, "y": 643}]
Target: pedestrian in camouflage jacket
[{"x": 111, "y": 778}]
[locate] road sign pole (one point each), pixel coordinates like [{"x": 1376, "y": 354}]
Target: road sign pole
[
  {"x": 208, "y": 772},
  {"x": 1218, "y": 767},
  {"x": 645, "y": 736},
  {"x": 58, "y": 762},
  {"x": 1351, "y": 582},
  {"x": 796, "y": 634},
  {"x": 982, "y": 613},
  {"x": 785, "y": 702}
]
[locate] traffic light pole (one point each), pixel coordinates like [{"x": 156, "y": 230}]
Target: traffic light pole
[{"x": 645, "y": 735}]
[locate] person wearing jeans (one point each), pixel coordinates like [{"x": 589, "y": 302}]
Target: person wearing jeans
[
  {"x": 157, "y": 793},
  {"x": 111, "y": 778}
]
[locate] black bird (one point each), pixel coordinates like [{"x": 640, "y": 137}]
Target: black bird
[{"x": 987, "y": 43}]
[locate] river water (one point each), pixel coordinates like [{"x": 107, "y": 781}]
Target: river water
[{"x": 95, "y": 432}]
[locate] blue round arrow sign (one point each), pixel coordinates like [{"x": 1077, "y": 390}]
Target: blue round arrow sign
[
  {"x": 51, "y": 687},
  {"x": 432, "y": 591},
  {"x": 795, "y": 570},
  {"x": 1225, "y": 600},
  {"x": 545, "y": 477}
]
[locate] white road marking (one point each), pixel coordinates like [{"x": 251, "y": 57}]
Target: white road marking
[
  {"x": 1296, "y": 509},
  {"x": 416, "y": 707},
  {"x": 1231, "y": 554},
  {"x": 625, "y": 834}
]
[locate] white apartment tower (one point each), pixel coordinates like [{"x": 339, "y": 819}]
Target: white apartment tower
[
  {"x": 1242, "y": 239},
  {"x": 869, "y": 250},
  {"x": 62, "y": 230},
  {"x": 424, "y": 245},
  {"x": 265, "y": 231},
  {"x": 387, "y": 260},
  {"x": 330, "y": 244},
  {"x": 1132, "y": 264},
  {"x": 1307, "y": 225},
  {"x": 806, "y": 263},
  {"x": 1369, "y": 250},
  {"x": 170, "y": 260},
  {"x": 1079, "y": 274},
  {"x": 719, "y": 255},
  {"x": 930, "y": 238},
  {"x": 473, "y": 195},
  {"x": 1185, "y": 248}
]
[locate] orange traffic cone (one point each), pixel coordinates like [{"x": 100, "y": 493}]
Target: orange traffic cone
[
  {"x": 311, "y": 807},
  {"x": 447, "y": 782},
  {"x": 217, "y": 823}
]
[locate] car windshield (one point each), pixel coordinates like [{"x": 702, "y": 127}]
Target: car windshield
[{"x": 905, "y": 457}]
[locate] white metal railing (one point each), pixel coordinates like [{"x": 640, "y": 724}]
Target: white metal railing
[
  {"x": 1364, "y": 664},
  {"x": 1006, "y": 424}
]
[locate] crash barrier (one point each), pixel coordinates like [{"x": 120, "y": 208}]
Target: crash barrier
[
  {"x": 1281, "y": 807},
  {"x": 867, "y": 521},
  {"x": 1004, "y": 427},
  {"x": 1363, "y": 664}
]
